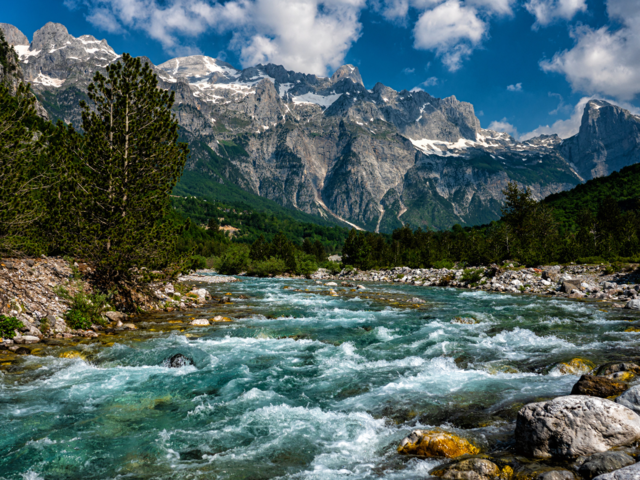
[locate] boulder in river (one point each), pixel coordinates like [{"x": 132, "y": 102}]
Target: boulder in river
[
  {"x": 199, "y": 322},
  {"x": 178, "y": 361},
  {"x": 469, "y": 469},
  {"x": 604, "y": 463},
  {"x": 573, "y": 426},
  {"x": 612, "y": 368},
  {"x": 556, "y": 475},
  {"x": 627, "y": 473},
  {"x": 569, "y": 286},
  {"x": 576, "y": 366},
  {"x": 434, "y": 443},
  {"x": 631, "y": 399},
  {"x": 633, "y": 304},
  {"x": 598, "y": 387}
]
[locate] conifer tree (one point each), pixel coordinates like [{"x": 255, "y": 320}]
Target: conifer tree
[
  {"x": 21, "y": 173},
  {"x": 129, "y": 162}
]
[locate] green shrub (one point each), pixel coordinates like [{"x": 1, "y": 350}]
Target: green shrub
[
  {"x": 86, "y": 310},
  {"x": 8, "y": 325},
  {"x": 443, "y": 264},
  {"x": 270, "y": 266},
  {"x": 235, "y": 260},
  {"x": 591, "y": 260},
  {"x": 472, "y": 275},
  {"x": 307, "y": 266},
  {"x": 196, "y": 262},
  {"x": 333, "y": 267}
]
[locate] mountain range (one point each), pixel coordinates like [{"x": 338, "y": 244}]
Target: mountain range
[{"x": 375, "y": 159}]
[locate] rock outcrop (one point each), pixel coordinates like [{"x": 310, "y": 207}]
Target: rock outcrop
[
  {"x": 602, "y": 463},
  {"x": 598, "y": 387},
  {"x": 573, "y": 426},
  {"x": 628, "y": 473},
  {"x": 631, "y": 399},
  {"x": 434, "y": 443}
]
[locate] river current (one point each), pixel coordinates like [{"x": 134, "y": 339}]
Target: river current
[{"x": 302, "y": 385}]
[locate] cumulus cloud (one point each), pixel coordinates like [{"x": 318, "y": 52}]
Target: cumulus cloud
[
  {"x": 604, "y": 61},
  {"x": 311, "y": 36},
  {"x": 515, "y": 88},
  {"x": 451, "y": 28},
  {"x": 504, "y": 126},
  {"x": 548, "y": 11},
  {"x": 430, "y": 82}
]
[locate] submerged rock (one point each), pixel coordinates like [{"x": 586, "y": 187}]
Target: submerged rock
[
  {"x": 178, "y": 361},
  {"x": 573, "y": 426},
  {"x": 199, "y": 322},
  {"x": 601, "y": 463},
  {"x": 433, "y": 443},
  {"x": 556, "y": 475},
  {"x": 631, "y": 399},
  {"x": 627, "y": 473},
  {"x": 613, "y": 368},
  {"x": 470, "y": 469},
  {"x": 576, "y": 366},
  {"x": 598, "y": 387}
]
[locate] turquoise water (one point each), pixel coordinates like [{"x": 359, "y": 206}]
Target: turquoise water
[{"x": 333, "y": 401}]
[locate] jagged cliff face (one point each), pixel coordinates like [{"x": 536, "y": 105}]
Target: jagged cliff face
[{"x": 328, "y": 146}]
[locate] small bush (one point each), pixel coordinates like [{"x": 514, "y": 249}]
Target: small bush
[
  {"x": 307, "y": 266},
  {"x": 271, "y": 266},
  {"x": 591, "y": 260},
  {"x": 472, "y": 275},
  {"x": 86, "y": 310},
  {"x": 443, "y": 264},
  {"x": 235, "y": 260},
  {"x": 8, "y": 325},
  {"x": 196, "y": 262},
  {"x": 333, "y": 267}
]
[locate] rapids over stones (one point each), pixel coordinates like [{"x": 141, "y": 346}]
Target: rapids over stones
[{"x": 297, "y": 382}]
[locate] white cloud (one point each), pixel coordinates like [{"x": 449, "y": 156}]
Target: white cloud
[
  {"x": 503, "y": 126},
  {"x": 548, "y": 11},
  {"x": 515, "y": 88},
  {"x": 452, "y": 29},
  {"x": 408, "y": 70},
  {"x": 430, "y": 82},
  {"x": 311, "y": 36},
  {"x": 604, "y": 61}
]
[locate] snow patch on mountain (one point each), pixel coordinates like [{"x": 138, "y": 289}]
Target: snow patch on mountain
[{"x": 322, "y": 100}]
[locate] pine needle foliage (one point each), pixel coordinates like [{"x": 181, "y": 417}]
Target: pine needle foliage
[
  {"x": 128, "y": 162},
  {"x": 22, "y": 175}
]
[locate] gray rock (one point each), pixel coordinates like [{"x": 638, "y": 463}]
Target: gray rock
[
  {"x": 631, "y": 399},
  {"x": 574, "y": 426},
  {"x": 416, "y": 300},
  {"x": 12, "y": 35},
  {"x": 633, "y": 304},
  {"x": 26, "y": 339},
  {"x": 627, "y": 473},
  {"x": 471, "y": 469},
  {"x": 556, "y": 475},
  {"x": 604, "y": 463},
  {"x": 178, "y": 361},
  {"x": 570, "y": 285},
  {"x": 115, "y": 316}
]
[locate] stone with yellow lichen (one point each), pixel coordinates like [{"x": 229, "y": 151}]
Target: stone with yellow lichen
[
  {"x": 220, "y": 318},
  {"x": 434, "y": 443},
  {"x": 576, "y": 366},
  {"x": 633, "y": 330},
  {"x": 72, "y": 354}
]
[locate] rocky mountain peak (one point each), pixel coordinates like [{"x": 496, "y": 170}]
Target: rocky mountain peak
[
  {"x": 347, "y": 71},
  {"x": 52, "y": 34},
  {"x": 12, "y": 35}
]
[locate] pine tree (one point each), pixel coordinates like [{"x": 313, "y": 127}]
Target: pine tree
[
  {"x": 22, "y": 174},
  {"x": 129, "y": 162}
]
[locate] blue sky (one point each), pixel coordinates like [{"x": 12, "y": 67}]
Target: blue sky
[{"x": 528, "y": 66}]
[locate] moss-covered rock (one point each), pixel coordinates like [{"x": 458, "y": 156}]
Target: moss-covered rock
[{"x": 434, "y": 443}]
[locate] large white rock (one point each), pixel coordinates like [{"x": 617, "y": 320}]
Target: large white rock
[
  {"x": 574, "y": 425},
  {"x": 633, "y": 305},
  {"x": 627, "y": 473},
  {"x": 200, "y": 322},
  {"x": 631, "y": 399}
]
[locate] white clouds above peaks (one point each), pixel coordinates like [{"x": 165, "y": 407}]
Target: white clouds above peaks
[
  {"x": 451, "y": 28},
  {"x": 504, "y": 126},
  {"x": 310, "y": 36},
  {"x": 604, "y": 60},
  {"x": 548, "y": 11}
]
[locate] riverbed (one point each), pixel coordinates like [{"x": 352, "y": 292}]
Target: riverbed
[{"x": 300, "y": 385}]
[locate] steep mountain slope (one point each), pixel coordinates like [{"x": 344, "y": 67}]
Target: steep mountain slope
[{"x": 329, "y": 147}]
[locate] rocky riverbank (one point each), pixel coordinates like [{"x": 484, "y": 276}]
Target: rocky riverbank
[
  {"x": 589, "y": 434},
  {"x": 574, "y": 281},
  {"x": 39, "y": 292}
]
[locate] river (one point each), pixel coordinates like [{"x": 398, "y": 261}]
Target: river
[{"x": 302, "y": 385}]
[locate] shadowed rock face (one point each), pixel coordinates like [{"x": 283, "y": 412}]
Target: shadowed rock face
[
  {"x": 608, "y": 140},
  {"x": 376, "y": 158}
]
